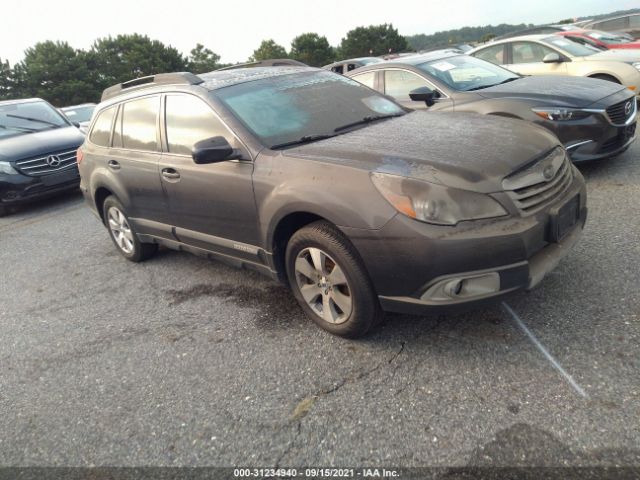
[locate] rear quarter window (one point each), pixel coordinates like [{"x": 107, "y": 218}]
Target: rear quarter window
[{"x": 101, "y": 131}]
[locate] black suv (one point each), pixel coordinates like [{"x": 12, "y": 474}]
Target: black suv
[
  {"x": 357, "y": 203},
  {"x": 37, "y": 152}
]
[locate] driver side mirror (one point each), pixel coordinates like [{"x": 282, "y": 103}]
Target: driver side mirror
[
  {"x": 213, "y": 150},
  {"x": 423, "y": 94},
  {"x": 552, "y": 58}
]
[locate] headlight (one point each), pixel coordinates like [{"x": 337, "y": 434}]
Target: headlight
[
  {"x": 560, "y": 114},
  {"x": 432, "y": 203},
  {"x": 636, "y": 65},
  {"x": 6, "y": 168}
]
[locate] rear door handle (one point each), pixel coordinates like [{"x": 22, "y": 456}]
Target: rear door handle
[
  {"x": 170, "y": 174},
  {"x": 113, "y": 165}
]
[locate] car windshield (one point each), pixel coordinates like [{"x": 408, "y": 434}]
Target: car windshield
[
  {"x": 466, "y": 73},
  {"x": 608, "y": 38},
  {"x": 292, "y": 108},
  {"x": 79, "y": 114},
  {"x": 570, "y": 47},
  {"x": 28, "y": 117}
]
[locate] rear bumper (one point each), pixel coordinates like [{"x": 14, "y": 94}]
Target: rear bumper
[{"x": 21, "y": 189}]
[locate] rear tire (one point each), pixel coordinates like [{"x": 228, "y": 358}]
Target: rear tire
[
  {"x": 123, "y": 234},
  {"x": 608, "y": 78},
  {"x": 329, "y": 281}
]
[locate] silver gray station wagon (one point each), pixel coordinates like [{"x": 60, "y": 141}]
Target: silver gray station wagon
[{"x": 360, "y": 205}]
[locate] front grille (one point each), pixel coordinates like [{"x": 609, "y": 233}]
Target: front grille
[
  {"x": 620, "y": 113},
  {"x": 624, "y": 134},
  {"x": 45, "y": 165},
  {"x": 532, "y": 190}
]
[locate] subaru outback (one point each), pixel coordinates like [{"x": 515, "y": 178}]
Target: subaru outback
[{"x": 355, "y": 202}]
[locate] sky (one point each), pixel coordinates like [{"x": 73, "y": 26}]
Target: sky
[{"x": 234, "y": 28}]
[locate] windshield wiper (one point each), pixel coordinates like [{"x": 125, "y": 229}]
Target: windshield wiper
[
  {"x": 31, "y": 119},
  {"x": 365, "y": 120},
  {"x": 26, "y": 129},
  {"x": 301, "y": 140},
  {"x": 511, "y": 79}
]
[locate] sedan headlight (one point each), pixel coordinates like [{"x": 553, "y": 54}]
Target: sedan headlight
[
  {"x": 432, "y": 203},
  {"x": 6, "y": 168},
  {"x": 560, "y": 114}
]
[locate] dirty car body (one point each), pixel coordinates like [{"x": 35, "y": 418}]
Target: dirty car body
[{"x": 441, "y": 210}]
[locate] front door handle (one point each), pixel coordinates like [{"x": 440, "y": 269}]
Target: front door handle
[
  {"x": 170, "y": 174},
  {"x": 113, "y": 165}
]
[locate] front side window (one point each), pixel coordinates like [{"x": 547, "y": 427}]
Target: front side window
[
  {"x": 288, "y": 108},
  {"x": 101, "y": 131},
  {"x": 139, "y": 124},
  {"x": 494, "y": 54},
  {"x": 529, "y": 52},
  {"x": 398, "y": 83},
  {"x": 190, "y": 120},
  {"x": 367, "y": 78}
]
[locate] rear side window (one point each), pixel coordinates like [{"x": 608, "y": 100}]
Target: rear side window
[
  {"x": 189, "y": 120},
  {"x": 101, "y": 131},
  {"x": 367, "y": 78},
  {"x": 493, "y": 54},
  {"x": 139, "y": 121}
]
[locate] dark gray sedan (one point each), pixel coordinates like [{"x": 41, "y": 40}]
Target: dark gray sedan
[{"x": 594, "y": 119}]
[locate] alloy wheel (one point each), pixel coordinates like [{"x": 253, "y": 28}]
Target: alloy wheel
[
  {"x": 120, "y": 230},
  {"x": 323, "y": 285}
]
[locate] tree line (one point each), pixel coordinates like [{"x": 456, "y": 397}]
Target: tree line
[{"x": 63, "y": 75}]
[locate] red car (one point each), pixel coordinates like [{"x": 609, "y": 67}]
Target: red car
[{"x": 599, "y": 39}]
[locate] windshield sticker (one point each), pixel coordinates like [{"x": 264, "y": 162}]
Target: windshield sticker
[{"x": 443, "y": 66}]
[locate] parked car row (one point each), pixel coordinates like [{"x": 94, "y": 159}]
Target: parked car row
[{"x": 593, "y": 119}]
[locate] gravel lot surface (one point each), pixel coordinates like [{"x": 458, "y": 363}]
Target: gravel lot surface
[{"x": 185, "y": 361}]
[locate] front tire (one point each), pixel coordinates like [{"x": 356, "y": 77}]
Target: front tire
[
  {"x": 330, "y": 282},
  {"x": 123, "y": 234}
]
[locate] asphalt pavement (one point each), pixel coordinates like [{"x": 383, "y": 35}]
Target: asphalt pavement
[{"x": 186, "y": 361}]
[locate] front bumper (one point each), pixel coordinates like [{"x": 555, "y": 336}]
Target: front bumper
[
  {"x": 413, "y": 265},
  {"x": 20, "y": 189},
  {"x": 593, "y": 138}
]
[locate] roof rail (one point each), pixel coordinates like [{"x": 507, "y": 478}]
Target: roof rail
[{"x": 177, "y": 78}]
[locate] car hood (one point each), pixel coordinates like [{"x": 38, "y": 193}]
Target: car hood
[
  {"x": 40, "y": 143},
  {"x": 555, "y": 90},
  {"x": 615, "y": 55},
  {"x": 470, "y": 151}
]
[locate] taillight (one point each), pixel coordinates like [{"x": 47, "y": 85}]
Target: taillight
[{"x": 79, "y": 156}]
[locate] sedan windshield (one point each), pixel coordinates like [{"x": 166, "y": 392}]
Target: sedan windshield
[
  {"x": 28, "y": 117},
  {"x": 297, "y": 108},
  {"x": 467, "y": 73},
  {"x": 570, "y": 47}
]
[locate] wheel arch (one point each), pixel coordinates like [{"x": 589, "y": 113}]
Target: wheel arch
[{"x": 282, "y": 231}]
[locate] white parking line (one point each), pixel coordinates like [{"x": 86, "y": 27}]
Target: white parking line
[{"x": 544, "y": 351}]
